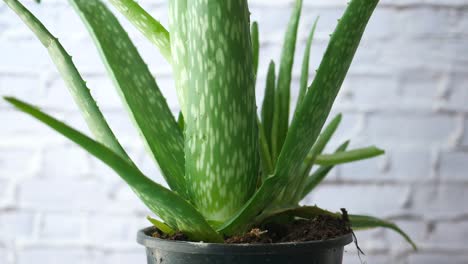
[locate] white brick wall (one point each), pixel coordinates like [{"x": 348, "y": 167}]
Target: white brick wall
[{"x": 407, "y": 92}]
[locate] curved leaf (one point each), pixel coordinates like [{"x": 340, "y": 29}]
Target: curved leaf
[
  {"x": 76, "y": 85},
  {"x": 146, "y": 24},
  {"x": 255, "y": 45},
  {"x": 346, "y": 156},
  {"x": 305, "y": 66},
  {"x": 317, "y": 177},
  {"x": 367, "y": 222},
  {"x": 282, "y": 93},
  {"x": 174, "y": 210},
  {"x": 139, "y": 91},
  {"x": 268, "y": 108},
  {"x": 313, "y": 112}
]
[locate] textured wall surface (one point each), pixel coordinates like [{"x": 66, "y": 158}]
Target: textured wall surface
[{"x": 407, "y": 92}]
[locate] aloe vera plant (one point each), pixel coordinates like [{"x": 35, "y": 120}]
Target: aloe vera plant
[{"x": 227, "y": 167}]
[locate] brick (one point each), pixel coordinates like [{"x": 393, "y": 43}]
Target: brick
[
  {"x": 386, "y": 200},
  {"x": 16, "y": 225},
  {"x": 66, "y": 162},
  {"x": 62, "y": 195},
  {"x": 126, "y": 256},
  {"x": 453, "y": 166},
  {"x": 413, "y": 129},
  {"x": 450, "y": 235},
  {"x": 409, "y": 164},
  {"x": 436, "y": 258},
  {"x": 16, "y": 162},
  {"x": 458, "y": 92},
  {"x": 61, "y": 227},
  {"x": 108, "y": 229},
  {"x": 53, "y": 255},
  {"x": 465, "y": 133},
  {"x": 433, "y": 202}
]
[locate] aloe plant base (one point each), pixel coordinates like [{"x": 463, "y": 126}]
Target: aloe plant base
[{"x": 181, "y": 252}]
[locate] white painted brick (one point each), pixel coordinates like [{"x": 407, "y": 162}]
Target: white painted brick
[
  {"x": 62, "y": 227},
  {"x": 123, "y": 257},
  {"x": 62, "y": 195},
  {"x": 453, "y": 166},
  {"x": 53, "y": 255},
  {"x": 465, "y": 133},
  {"x": 108, "y": 229},
  {"x": 352, "y": 258},
  {"x": 412, "y": 129},
  {"x": 458, "y": 93},
  {"x": 437, "y": 258},
  {"x": 409, "y": 164},
  {"x": 453, "y": 235},
  {"x": 16, "y": 162},
  {"x": 434, "y": 202},
  {"x": 386, "y": 200},
  {"x": 15, "y": 224},
  {"x": 64, "y": 162}
]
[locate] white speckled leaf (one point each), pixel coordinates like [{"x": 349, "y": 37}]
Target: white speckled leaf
[
  {"x": 221, "y": 139},
  {"x": 150, "y": 27},
  {"x": 178, "y": 26},
  {"x": 312, "y": 113},
  {"x": 175, "y": 211},
  {"x": 76, "y": 85},
  {"x": 139, "y": 91}
]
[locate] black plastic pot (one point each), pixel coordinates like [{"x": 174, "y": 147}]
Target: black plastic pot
[{"x": 179, "y": 252}]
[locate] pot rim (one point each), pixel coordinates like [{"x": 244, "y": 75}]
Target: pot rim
[{"x": 217, "y": 248}]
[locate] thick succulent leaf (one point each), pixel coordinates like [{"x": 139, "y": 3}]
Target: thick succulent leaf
[
  {"x": 161, "y": 226},
  {"x": 346, "y": 156},
  {"x": 292, "y": 194},
  {"x": 180, "y": 121},
  {"x": 268, "y": 107},
  {"x": 267, "y": 164},
  {"x": 174, "y": 210},
  {"x": 282, "y": 93},
  {"x": 146, "y": 24},
  {"x": 305, "y": 65},
  {"x": 178, "y": 15},
  {"x": 139, "y": 91},
  {"x": 255, "y": 45},
  {"x": 77, "y": 86},
  {"x": 317, "y": 177},
  {"x": 313, "y": 112},
  {"x": 221, "y": 137},
  {"x": 366, "y": 222}
]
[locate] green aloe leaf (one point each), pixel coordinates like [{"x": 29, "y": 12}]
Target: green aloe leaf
[
  {"x": 268, "y": 107},
  {"x": 312, "y": 113},
  {"x": 146, "y": 24},
  {"x": 139, "y": 91},
  {"x": 161, "y": 226},
  {"x": 174, "y": 210},
  {"x": 221, "y": 136},
  {"x": 76, "y": 85},
  {"x": 346, "y": 156},
  {"x": 282, "y": 93},
  {"x": 255, "y": 45},
  {"x": 359, "y": 222},
  {"x": 293, "y": 195},
  {"x": 180, "y": 121},
  {"x": 267, "y": 164},
  {"x": 317, "y": 177},
  {"x": 305, "y": 65}
]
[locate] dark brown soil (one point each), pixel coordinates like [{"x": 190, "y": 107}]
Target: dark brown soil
[{"x": 321, "y": 227}]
